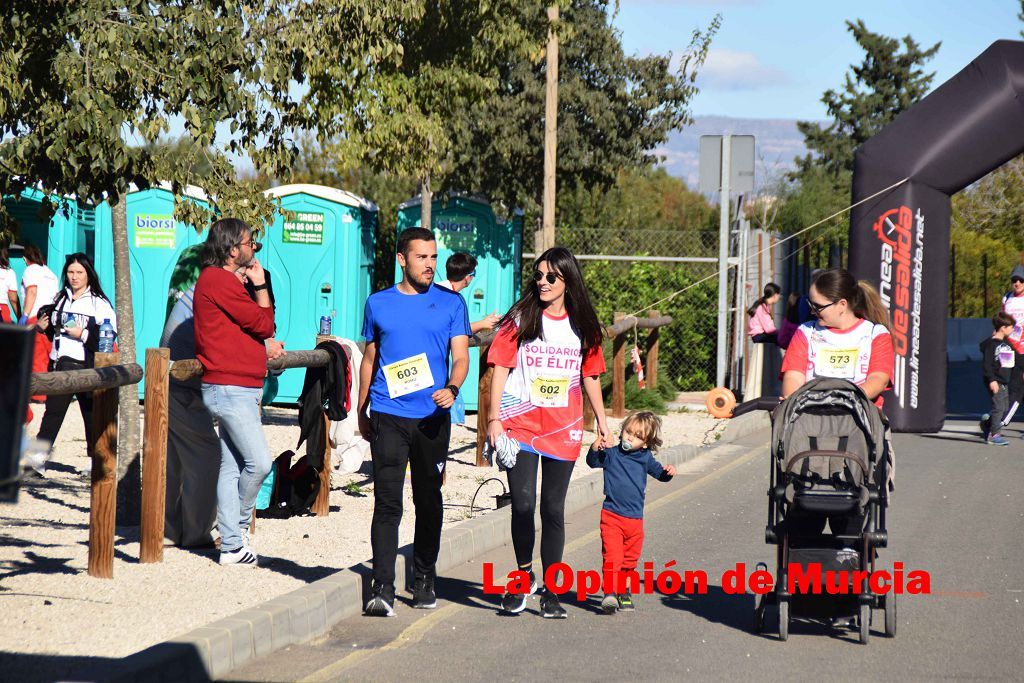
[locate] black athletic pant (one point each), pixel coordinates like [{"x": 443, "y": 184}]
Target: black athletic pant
[
  {"x": 522, "y": 483},
  {"x": 423, "y": 444},
  {"x": 57, "y": 407}
]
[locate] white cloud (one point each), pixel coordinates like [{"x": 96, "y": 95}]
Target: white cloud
[{"x": 735, "y": 70}]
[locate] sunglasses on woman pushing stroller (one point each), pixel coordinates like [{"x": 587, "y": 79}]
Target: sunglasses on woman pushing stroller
[{"x": 550, "y": 276}]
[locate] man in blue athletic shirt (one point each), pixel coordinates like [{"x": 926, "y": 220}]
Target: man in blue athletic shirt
[{"x": 405, "y": 392}]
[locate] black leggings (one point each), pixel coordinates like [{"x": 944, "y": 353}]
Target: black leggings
[
  {"x": 522, "y": 483},
  {"x": 57, "y": 407}
]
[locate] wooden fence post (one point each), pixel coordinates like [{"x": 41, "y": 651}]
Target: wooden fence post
[
  {"x": 589, "y": 417},
  {"x": 619, "y": 372},
  {"x": 483, "y": 406},
  {"x": 102, "y": 506},
  {"x": 154, "y": 457},
  {"x": 652, "y": 353}
]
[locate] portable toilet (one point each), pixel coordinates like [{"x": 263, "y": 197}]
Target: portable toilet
[
  {"x": 321, "y": 263},
  {"x": 155, "y": 242},
  {"x": 465, "y": 223},
  {"x": 67, "y": 232}
]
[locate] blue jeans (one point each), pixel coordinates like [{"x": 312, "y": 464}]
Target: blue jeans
[{"x": 244, "y": 457}]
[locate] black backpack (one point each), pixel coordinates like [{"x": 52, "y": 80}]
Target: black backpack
[{"x": 296, "y": 487}]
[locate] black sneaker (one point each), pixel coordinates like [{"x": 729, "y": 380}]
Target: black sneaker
[
  {"x": 381, "y": 603},
  {"x": 514, "y": 603},
  {"x": 610, "y": 604},
  {"x": 423, "y": 596},
  {"x": 626, "y": 602},
  {"x": 550, "y": 608},
  {"x": 984, "y": 425}
]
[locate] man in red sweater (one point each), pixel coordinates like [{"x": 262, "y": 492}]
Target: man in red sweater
[{"x": 231, "y": 330}]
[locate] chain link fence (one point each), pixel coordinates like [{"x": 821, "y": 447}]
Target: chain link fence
[{"x": 627, "y": 271}]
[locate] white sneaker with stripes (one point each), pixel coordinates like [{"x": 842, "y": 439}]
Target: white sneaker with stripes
[{"x": 243, "y": 557}]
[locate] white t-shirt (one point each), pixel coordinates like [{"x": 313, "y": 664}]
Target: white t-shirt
[
  {"x": 46, "y": 287},
  {"x": 8, "y": 283},
  {"x": 82, "y": 311},
  {"x": 1014, "y": 305}
]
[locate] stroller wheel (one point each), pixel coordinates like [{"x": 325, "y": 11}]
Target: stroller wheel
[
  {"x": 865, "y": 623},
  {"x": 783, "y": 620},
  {"x": 890, "y": 615}
]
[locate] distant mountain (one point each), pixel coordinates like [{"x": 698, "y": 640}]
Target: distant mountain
[{"x": 777, "y": 144}]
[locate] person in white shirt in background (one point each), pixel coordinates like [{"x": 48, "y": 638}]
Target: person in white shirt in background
[
  {"x": 73, "y": 322},
  {"x": 461, "y": 270},
  {"x": 39, "y": 287},
  {"x": 10, "y": 305}
]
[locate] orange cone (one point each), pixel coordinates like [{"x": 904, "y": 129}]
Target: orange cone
[{"x": 720, "y": 402}]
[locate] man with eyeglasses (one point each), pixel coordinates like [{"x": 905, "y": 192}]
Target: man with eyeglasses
[
  {"x": 1013, "y": 303},
  {"x": 405, "y": 393},
  {"x": 230, "y": 333}
]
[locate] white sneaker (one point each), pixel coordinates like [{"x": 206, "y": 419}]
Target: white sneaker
[{"x": 243, "y": 557}]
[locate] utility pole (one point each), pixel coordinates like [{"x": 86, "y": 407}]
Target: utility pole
[{"x": 547, "y": 236}]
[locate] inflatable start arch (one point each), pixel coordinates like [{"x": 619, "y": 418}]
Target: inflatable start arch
[{"x": 970, "y": 125}]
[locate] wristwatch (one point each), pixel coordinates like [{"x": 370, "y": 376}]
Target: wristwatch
[{"x": 454, "y": 389}]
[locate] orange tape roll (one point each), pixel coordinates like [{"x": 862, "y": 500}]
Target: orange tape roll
[{"x": 720, "y": 402}]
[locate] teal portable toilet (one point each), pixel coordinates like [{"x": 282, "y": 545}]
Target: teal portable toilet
[
  {"x": 155, "y": 242},
  {"x": 65, "y": 233},
  {"x": 321, "y": 264},
  {"x": 465, "y": 223}
]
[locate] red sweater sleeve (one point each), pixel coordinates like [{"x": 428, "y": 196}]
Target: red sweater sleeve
[{"x": 246, "y": 313}]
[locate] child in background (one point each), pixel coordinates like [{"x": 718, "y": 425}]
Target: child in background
[
  {"x": 626, "y": 467},
  {"x": 790, "y": 322},
  {"x": 997, "y": 361}
]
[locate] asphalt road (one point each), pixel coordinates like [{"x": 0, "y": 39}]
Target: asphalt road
[{"x": 957, "y": 513}]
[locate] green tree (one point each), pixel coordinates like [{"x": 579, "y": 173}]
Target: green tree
[
  {"x": 613, "y": 110},
  {"x": 874, "y": 92},
  {"x": 87, "y": 84}
]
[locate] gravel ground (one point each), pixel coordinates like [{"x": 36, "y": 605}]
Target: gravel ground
[{"x": 49, "y": 604}]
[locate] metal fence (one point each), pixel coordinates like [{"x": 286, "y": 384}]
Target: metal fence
[{"x": 628, "y": 270}]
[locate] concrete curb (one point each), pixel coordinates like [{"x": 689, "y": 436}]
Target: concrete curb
[{"x": 217, "y": 648}]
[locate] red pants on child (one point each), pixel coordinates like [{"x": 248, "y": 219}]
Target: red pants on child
[{"x": 622, "y": 538}]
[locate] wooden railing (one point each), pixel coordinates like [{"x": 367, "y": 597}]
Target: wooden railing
[{"x": 103, "y": 381}]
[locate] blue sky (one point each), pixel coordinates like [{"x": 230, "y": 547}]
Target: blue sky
[{"x": 775, "y": 58}]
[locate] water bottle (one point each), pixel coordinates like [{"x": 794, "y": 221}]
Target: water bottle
[
  {"x": 106, "y": 342},
  {"x": 325, "y": 326}
]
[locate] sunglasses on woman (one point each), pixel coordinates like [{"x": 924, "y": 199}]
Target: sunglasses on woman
[
  {"x": 816, "y": 309},
  {"x": 550, "y": 276}
]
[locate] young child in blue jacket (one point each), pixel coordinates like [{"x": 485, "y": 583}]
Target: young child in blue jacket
[{"x": 626, "y": 468}]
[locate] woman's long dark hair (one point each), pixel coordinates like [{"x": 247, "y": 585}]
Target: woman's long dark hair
[
  {"x": 770, "y": 290},
  {"x": 5, "y": 261},
  {"x": 582, "y": 316},
  {"x": 90, "y": 272}
]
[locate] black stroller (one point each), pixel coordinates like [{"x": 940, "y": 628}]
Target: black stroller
[{"x": 830, "y": 461}]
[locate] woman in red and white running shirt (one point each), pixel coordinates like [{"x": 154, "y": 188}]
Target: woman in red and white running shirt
[
  {"x": 546, "y": 354},
  {"x": 850, "y": 338}
]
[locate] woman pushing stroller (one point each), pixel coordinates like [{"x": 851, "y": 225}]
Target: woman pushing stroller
[{"x": 848, "y": 339}]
